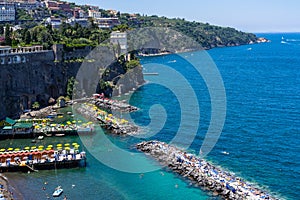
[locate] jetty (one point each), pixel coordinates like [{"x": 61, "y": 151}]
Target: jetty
[
  {"x": 202, "y": 173},
  {"x": 106, "y": 120},
  {"x": 37, "y": 158},
  {"x": 110, "y": 104}
]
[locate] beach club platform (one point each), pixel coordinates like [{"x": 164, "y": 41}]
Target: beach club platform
[{"x": 35, "y": 160}]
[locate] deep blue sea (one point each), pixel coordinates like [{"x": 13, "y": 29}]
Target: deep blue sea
[{"x": 261, "y": 133}]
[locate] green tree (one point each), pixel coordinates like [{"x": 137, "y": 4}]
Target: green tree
[
  {"x": 70, "y": 87},
  {"x": 132, "y": 64},
  {"x": 36, "y": 105},
  {"x": 7, "y": 36},
  {"x": 27, "y": 38}
]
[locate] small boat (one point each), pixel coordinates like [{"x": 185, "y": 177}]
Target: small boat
[
  {"x": 59, "y": 134},
  {"x": 58, "y": 191},
  {"x": 224, "y": 152},
  {"x": 40, "y": 137}
]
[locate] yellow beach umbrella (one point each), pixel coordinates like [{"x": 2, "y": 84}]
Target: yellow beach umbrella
[
  {"x": 26, "y": 148},
  {"x": 59, "y": 148},
  {"x": 59, "y": 145},
  {"x": 67, "y": 144},
  {"x": 2, "y": 150},
  {"x": 69, "y": 123},
  {"x": 74, "y": 122},
  {"x": 17, "y": 149},
  {"x": 41, "y": 146},
  {"x": 74, "y": 144},
  {"x": 10, "y": 149},
  {"x": 67, "y": 148},
  {"x": 33, "y": 147},
  {"x": 50, "y": 146}
]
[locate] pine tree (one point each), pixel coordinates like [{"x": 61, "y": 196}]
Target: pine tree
[{"x": 27, "y": 37}]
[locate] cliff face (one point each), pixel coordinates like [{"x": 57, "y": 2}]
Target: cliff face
[{"x": 38, "y": 78}]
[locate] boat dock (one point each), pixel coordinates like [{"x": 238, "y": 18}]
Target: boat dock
[
  {"x": 32, "y": 128},
  {"x": 34, "y": 158},
  {"x": 202, "y": 173}
]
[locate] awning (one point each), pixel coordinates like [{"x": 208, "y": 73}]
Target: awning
[
  {"x": 10, "y": 121},
  {"x": 23, "y": 125},
  {"x": 7, "y": 128}
]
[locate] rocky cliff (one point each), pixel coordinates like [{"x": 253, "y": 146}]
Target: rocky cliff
[{"x": 42, "y": 75}]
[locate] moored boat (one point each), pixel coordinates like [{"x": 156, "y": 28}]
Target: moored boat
[{"x": 58, "y": 191}]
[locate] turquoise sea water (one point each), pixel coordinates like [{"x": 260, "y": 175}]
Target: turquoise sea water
[{"x": 261, "y": 131}]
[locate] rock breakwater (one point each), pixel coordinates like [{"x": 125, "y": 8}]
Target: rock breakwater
[{"x": 202, "y": 173}]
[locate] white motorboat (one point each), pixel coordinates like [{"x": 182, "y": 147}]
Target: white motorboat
[
  {"x": 58, "y": 191},
  {"x": 40, "y": 137}
]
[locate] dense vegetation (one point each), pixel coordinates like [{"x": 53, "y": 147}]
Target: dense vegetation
[
  {"x": 71, "y": 36},
  {"x": 207, "y": 35}
]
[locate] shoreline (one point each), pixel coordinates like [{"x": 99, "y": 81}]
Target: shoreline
[
  {"x": 9, "y": 192},
  {"x": 260, "y": 40}
]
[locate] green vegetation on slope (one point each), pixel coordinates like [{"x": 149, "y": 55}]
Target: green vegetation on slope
[{"x": 207, "y": 35}]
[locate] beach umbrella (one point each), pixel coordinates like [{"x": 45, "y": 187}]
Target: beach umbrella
[
  {"x": 69, "y": 123},
  {"x": 59, "y": 148},
  {"x": 41, "y": 146},
  {"x": 67, "y": 144},
  {"x": 50, "y": 146},
  {"x": 67, "y": 148},
  {"x": 33, "y": 147},
  {"x": 74, "y": 144},
  {"x": 17, "y": 149},
  {"x": 74, "y": 122},
  {"x": 2, "y": 150},
  {"x": 10, "y": 149},
  {"x": 26, "y": 148},
  {"x": 59, "y": 145}
]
